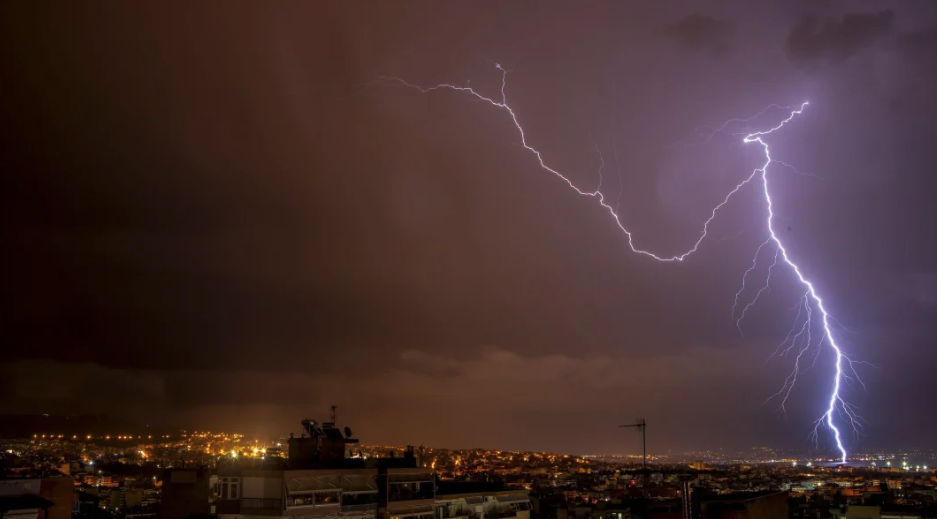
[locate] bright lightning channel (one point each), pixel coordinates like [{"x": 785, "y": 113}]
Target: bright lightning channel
[{"x": 835, "y": 405}]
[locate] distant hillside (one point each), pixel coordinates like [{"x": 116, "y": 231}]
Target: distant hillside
[{"x": 24, "y": 426}]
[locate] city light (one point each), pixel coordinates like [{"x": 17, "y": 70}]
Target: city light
[{"x": 771, "y": 463}]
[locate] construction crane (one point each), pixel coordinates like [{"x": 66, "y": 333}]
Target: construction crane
[{"x": 642, "y": 424}]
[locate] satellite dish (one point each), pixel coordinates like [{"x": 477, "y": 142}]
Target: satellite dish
[{"x": 347, "y": 432}]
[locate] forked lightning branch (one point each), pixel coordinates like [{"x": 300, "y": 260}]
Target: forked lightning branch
[{"x": 813, "y": 323}]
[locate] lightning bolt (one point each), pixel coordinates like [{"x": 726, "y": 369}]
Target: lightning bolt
[{"x": 835, "y": 406}]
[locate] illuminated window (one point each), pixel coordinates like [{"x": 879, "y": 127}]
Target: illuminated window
[{"x": 314, "y": 498}]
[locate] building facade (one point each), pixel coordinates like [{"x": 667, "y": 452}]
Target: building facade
[{"x": 318, "y": 480}]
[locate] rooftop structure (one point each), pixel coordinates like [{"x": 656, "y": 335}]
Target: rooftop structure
[
  {"x": 320, "y": 444},
  {"x": 319, "y": 479}
]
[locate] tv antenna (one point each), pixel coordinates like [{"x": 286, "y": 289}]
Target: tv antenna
[{"x": 641, "y": 424}]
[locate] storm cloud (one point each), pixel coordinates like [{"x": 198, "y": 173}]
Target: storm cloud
[
  {"x": 215, "y": 217},
  {"x": 701, "y": 33},
  {"x": 835, "y": 39}
]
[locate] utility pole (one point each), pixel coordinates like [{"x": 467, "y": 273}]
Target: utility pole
[{"x": 641, "y": 424}]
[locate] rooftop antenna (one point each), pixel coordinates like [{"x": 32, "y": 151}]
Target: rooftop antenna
[
  {"x": 641, "y": 424},
  {"x": 334, "y": 407},
  {"x": 687, "y": 500}
]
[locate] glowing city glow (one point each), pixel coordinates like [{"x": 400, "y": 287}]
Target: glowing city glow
[{"x": 834, "y": 406}]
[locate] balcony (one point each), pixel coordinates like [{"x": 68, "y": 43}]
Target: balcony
[
  {"x": 367, "y": 508},
  {"x": 314, "y": 499},
  {"x": 506, "y": 513},
  {"x": 261, "y": 504},
  {"x": 494, "y": 515},
  {"x": 411, "y": 491}
]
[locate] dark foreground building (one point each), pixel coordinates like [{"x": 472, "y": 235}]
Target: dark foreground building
[
  {"x": 37, "y": 498},
  {"x": 186, "y": 493},
  {"x": 317, "y": 479},
  {"x": 745, "y": 505}
]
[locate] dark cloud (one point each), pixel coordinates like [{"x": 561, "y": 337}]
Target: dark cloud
[
  {"x": 496, "y": 383},
  {"x": 834, "y": 39},
  {"x": 922, "y": 43},
  {"x": 702, "y": 33},
  {"x": 205, "y": 224}
]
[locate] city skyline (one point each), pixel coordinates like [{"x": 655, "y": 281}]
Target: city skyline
[
  {"x": 97, "y": 429},
  {"x": 216, "y": 473},
  {"x": 236, "y": 225},
  {"x": 211, "y": 446}
]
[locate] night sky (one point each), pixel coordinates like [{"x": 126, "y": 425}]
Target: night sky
[{"x": 214, "y": 218}]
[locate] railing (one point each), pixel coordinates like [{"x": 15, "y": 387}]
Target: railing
[
  {"x": 419, "y": 495},
  {"x": 262, "y": 504},
  {"x": 493, "y": 515},
  {"x": 444, "y": 513}
]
